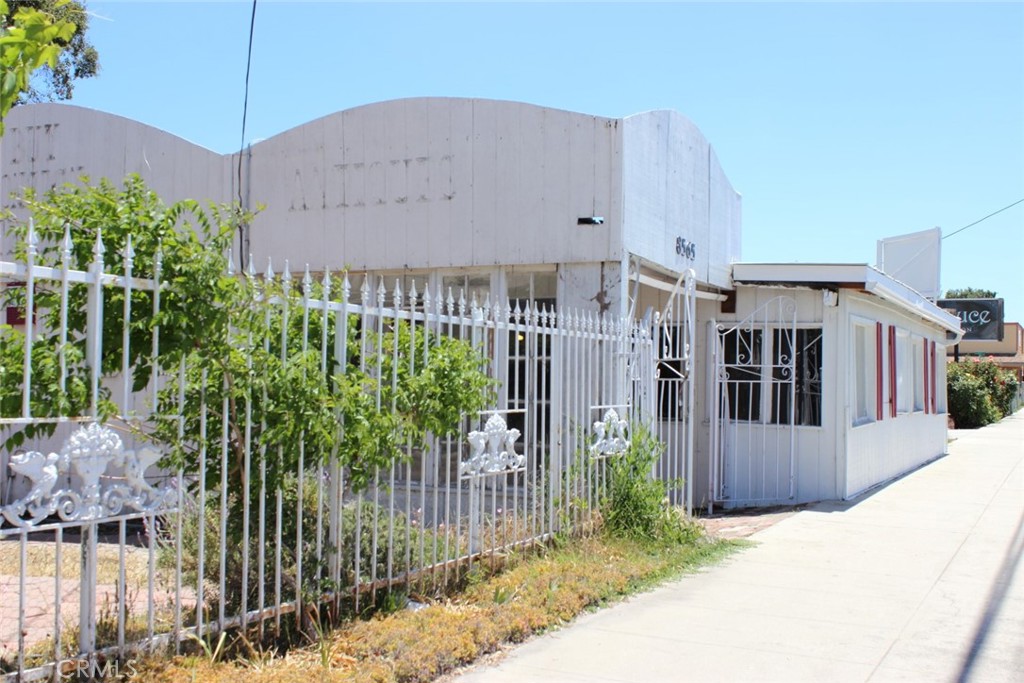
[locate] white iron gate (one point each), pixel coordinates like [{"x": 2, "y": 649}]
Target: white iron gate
[
  {"x": 675, "y": 333},
  {"x": 753, "y": 435}
]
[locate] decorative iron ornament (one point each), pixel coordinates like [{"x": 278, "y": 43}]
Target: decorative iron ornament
[
  {"x": 88, "y": 452},
  {"x": 493, "y": 451},
  {"x": 611, "y": 436}
]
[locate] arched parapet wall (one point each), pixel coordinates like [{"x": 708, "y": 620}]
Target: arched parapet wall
[
  {"x": 424, "y": 183},
  {"x": 46, "y": 145},
  {"x": 440, "y": 182},
  {"x": 680, "y": 209}
]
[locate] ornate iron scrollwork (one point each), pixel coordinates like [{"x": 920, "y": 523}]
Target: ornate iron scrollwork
[
  {"x": 611, "y": 436},
  {"x": 493, "y": 451},
  {"x": 89, "y": 453}
]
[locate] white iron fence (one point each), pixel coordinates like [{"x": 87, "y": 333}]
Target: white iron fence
[{"x": 135, "y": 512}]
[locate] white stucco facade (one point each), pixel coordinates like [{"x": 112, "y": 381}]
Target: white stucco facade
[
  {"x": 429, "y": 185},
  {"x": 515, "y": 200}
]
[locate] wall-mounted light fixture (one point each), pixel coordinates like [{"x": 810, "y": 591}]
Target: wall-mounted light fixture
[{"x": 590, "y": 220}]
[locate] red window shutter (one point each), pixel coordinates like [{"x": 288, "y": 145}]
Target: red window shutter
[
  {"x": 935, "y": 386},
  {"x": 878, "y": 372},
  {"x": 892, "y": 371},
  {"x": 924, "y": 376},
  {"x": 15, "y": 315}
]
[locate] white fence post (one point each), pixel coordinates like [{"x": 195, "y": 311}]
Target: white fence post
[
  {"x": 89, "y": 549},
  {"x": 30, "y": 260}
]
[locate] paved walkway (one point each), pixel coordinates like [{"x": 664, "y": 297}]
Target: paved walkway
[
  {"x": 38, "y": 608},
  {"x": 921, "y": 581}
]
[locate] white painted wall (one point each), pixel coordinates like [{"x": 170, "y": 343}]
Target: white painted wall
[
  {"x": 47, "y": 145},
  {"x": 675, "y": 188},
  {"x": 592, "y": 286},
  {"x": 438, "y": 183},
  {"x": 419, "y": 183},
  {"x": 877, "y": 451},
  {"x": 836, "y": 460},
  {"x": 882, "y": 450},
  {"x": 423, "y": 183}
]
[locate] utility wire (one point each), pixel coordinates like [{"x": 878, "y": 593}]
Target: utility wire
[
  {"x": 1008, "y": 206},
  {"x": 243, "y": 229}
]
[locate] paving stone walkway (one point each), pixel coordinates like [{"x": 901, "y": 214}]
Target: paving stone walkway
[
  {"x": 744, "y": 523},
  {"x": 41, "y": 598}
]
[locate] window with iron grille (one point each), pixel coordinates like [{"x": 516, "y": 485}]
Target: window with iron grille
[
  {"x": 671, "y": 380},
  {"x": 743, "y": 357},
  {"x": 796, "y": 355},
  {"x": 529, "y": 354}
]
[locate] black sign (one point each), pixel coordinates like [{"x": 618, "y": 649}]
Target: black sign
[{"x": 979, "y": 318}]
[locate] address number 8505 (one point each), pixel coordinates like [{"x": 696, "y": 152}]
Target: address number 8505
[{"x": 686, "y": 248}]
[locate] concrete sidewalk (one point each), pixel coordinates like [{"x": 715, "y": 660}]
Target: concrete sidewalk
[{"x": 919, "y": 581}]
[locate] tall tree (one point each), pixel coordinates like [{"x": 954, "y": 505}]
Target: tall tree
[
  {"x": 970, "y": 293},
  {"x": 30, "y": 39},
  {"x": 78, "y": 58}
]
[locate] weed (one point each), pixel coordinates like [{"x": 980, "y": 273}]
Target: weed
[
  {"x": 635, "y": 503},
  {"x": 535, "y": 594},
  {"x": 320, "y": 637},
  {"x": 212, "y": 652},
  {"x": 255, "y": 656},
  {"x": 504, "y": 594}
]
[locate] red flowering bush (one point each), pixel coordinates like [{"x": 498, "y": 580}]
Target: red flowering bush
[{"x": 979, "y": 392}]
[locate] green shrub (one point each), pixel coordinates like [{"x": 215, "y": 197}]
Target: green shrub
[
  {"x": 635, "y": 504},
  {"x": 970, "y": 399},
  {"x": 316, "y": 577},
  {"x": 1000, "y": 385}
]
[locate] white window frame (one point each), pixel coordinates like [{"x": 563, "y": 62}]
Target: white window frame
[
  {"x": 917, "y": 347},
  {"x": 863, "y": 372},
  {"x": 904, "y": 372}
]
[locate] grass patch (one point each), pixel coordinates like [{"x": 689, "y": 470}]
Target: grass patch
[{"x": 534, "y": 593}]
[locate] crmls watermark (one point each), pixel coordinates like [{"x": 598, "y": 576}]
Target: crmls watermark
[{"x": 89, "y": 669}]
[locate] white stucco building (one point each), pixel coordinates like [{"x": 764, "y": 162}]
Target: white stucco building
[
  {"x": 434, "y": 185},
  {"x": 516, "y": 201}
]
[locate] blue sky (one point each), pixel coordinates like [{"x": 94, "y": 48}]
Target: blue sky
[{"x": 839, "y": 123}]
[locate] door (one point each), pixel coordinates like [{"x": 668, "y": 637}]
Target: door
[{"x": 753, "y": 440}]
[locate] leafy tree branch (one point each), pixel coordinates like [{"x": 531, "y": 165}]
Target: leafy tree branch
[
  {"x": 235, "y": 352},
  {"x": 30, "y": 39}
]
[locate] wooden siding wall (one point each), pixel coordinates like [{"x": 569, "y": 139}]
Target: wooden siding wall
[{"x": 881, "y": 449}]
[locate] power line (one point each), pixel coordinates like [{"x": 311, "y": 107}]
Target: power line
[
  {"x": 1008, "y": 206},
  {"x": 243, "y": 237}
]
